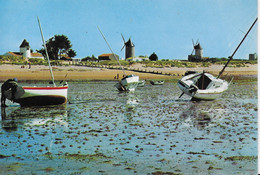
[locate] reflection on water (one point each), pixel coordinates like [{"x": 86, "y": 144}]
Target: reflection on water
[
  {"x": 195, "y": 115},
  {"x": 8, "y": 121},
  {"x": 102, "y": 131},
  {"x": 13, "y": 117}
]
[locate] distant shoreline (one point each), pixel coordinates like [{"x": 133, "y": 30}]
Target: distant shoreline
[{"x": 74, "y": 73}]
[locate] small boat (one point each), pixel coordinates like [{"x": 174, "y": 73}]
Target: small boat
[
  {"x": 157, "y": 82},
  {"x": 40, "y": 96},
  {"x": 204, "y": 86},
  {"x": 128, "y": 83},
  {"x": 141, "y": 83}
]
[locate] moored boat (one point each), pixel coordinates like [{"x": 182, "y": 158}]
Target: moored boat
[
  {"x": 141, "y": 83},
  {"x": 128, "y": 83},
  {"x": 157, "y": 82},
  {"x": 202, "y": 86},
  {"x": 40, "y": 96}
]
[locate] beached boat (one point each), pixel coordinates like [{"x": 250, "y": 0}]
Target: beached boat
[
  {"x": 157, "y": 82},
  {"x": 141, "y": 83},
  {"x": 204, "y": 86},
  {"x": 128, "y": 82},
  {"x": 40, "y": 96}
]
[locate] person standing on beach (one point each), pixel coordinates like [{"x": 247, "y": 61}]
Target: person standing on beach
[{"x": 8, "y": 84}]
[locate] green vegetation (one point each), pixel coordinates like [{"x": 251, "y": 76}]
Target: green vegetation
[
  {"x": 87, "y": 156},
  {"x": 92, "y": 61},
  {"x": 37, "y": 61},
  {"x": 12, "y": 60},
  {"x": 235, "y": 158},
  {"x": 106, "y": 63},
  {"x": 88, "y": 58}
]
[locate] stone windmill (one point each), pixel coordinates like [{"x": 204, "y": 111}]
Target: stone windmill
[
  {"x": 198, "y": 52},
  {"x": 129, "y": 48}
]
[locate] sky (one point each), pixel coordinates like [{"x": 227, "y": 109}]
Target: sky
[{"x": 165, "y": 27}]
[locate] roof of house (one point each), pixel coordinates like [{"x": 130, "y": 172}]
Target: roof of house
[
  {"x": 105, "y": 55},
  {"x": 15, "y": 53},
  {"x": 25, "y": 44},
  {"x": 35, "y": 54}
]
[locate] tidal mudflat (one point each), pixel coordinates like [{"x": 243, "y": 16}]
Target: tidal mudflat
[{"x": 150, "y": 131}]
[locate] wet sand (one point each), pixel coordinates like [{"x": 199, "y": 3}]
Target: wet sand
[
  {"x": 150, "y": 131},
  {"x": 39, "y": 72}
]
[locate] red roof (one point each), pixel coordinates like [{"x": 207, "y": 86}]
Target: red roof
[
  {"x": 35, "y": 54},
  {"x": 15, "y": 53},
  {"x": 105, "y": 55}
]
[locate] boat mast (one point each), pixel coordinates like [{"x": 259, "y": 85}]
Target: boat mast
[
  {"x": 231, "y": 57},
  {"x": 112, "y": 51},
  {"x": 45, "y": 48}
]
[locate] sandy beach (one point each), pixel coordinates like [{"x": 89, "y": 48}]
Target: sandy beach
[{"x": 40, "y": 72}]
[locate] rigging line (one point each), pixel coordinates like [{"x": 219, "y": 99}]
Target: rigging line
[
  {"x": 112, "y": 51},
  {"x": 231, "y": 57}
]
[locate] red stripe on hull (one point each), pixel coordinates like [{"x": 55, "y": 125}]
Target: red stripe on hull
[{"x": 44, "y": 88}]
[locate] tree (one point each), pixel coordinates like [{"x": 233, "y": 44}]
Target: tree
[
  {"x": 88, "y": 58},
  {"x": 153, "y": 57},
  {"x": 56, "y": 46},
  {"x": 71, "y": 53}
]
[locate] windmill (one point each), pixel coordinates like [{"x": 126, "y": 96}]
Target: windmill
[
  {"x": 197, "y": 42},
  {"x": 198, "y": 52},
  {"x": 129, "y": 48}
]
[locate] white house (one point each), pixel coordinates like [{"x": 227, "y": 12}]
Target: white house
[
  {"x": 138, "y": 59},
  {"x": 25, "y": 51}
]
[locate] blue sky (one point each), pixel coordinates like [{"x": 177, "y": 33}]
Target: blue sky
[{"x": 165, "y": 27}]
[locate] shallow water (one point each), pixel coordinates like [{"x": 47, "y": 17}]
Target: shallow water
[{"x": 149, "y": 131}]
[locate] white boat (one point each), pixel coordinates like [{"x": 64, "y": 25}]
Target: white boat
[
  {"x": 202, "y": 86},
  {"x": 157, "y": 82},
  {"x": 128, "y": 83},
  {"x": 141, "y": 83},
  {"x": 40, "y": 96}
]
